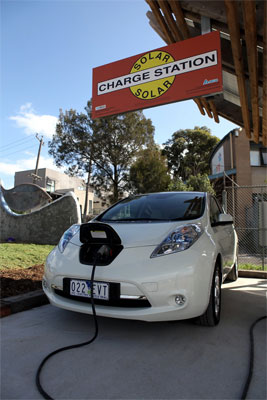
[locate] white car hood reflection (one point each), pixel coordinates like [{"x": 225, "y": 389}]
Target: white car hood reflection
[{"x": 145, "y": 234}]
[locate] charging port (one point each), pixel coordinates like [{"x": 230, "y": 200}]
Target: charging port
[{"x": 99, "y": 241}]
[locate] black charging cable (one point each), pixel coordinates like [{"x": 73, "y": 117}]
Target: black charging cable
[
  {"x": 251, "y": 358},
  {"x": 38, "y": 373}
]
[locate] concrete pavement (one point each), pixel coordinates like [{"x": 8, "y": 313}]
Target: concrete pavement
[{"x": 137, "y": 360}]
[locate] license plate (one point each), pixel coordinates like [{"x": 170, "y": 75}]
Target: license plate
[{"x": 83, "y": 289}]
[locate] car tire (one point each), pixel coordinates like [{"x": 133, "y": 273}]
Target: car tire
[
  {"x": 211, "y": 317},
  {"x": 233, "y": 274}
]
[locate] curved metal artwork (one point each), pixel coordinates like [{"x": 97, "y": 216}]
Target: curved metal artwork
[
  {"x": 25, "y": 197},
  {"x": 42, "y": 226}
]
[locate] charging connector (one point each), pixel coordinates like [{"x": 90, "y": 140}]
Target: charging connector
[{"x": 104, "y": 254}]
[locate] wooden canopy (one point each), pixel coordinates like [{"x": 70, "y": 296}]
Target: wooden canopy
[{"x": 243, "y": 31}]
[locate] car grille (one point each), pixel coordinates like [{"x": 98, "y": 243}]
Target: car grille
[
  {"x": 120, "y": 302},
  {"x": 115, "y": 300}
]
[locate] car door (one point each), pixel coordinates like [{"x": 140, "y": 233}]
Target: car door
[{"x": 223, "y": 234}]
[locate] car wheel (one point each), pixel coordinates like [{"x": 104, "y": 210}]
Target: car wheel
[
  {"x": 233, "y": 274},
  {"x": 211, "y": 317}
]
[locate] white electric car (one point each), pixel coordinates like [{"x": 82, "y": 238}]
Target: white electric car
[{"x": 159, "y": 257}]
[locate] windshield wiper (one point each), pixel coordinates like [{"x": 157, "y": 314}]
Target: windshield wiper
[{"x": 186, "y": 218}]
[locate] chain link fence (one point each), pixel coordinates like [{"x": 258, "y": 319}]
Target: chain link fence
[{"x": 248, "y": 206}]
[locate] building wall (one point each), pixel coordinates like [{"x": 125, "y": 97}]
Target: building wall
[
  {"x": 259, "y": 175},
  {"x": 242, "y": 160},
  {"x": 25, "y": 177},
  {"x": 227, "y": 155},
  {"x": 242, "y": 157},
  {"x": 62, "y": 181}
]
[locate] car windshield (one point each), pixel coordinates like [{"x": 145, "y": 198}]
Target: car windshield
[{"x": 157, "y": 207}]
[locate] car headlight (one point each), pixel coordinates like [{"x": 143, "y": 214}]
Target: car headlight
[
  {"x": 67, "y": 236},
  {"x": 178, "y": 240}
]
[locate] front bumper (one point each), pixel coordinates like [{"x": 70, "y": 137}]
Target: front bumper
[{"x": 159, "y": 280}]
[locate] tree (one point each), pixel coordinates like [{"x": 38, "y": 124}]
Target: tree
[
  {"x": 149, "y": 172},
  {"x": 198, "y": 183},
  {"x": 117, "y": 140},
  {"x": 177, "y": 185},
  {"x": 188, "y": 152},
  {"x": 71, "y": 146},
  {"x": 104, "y": 148}
]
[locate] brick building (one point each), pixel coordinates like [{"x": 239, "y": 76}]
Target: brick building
[
  {"x": 244, "y": 161},
  {"x": 239, "y": 175}
]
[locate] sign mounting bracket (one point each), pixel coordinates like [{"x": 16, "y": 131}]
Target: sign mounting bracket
[{"x": 205, "y": 25}]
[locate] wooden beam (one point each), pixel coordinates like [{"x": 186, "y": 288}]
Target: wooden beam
[
  {"x": 214, "y": 9},
  {"x": 164, "y": 5},
  {"x": 176, "y": 9},
  {"x": 264, "y": 92},
  {"x": 249, "y": 15},
  {"x": 207, "y": 107},
  {"x": 154, "y": 25},
  {"x": 164, "y": 27},
  {"x": 200, "y": 106},
  {"x": 214, "y": 111},
  {"x": 234, "y": 29}
]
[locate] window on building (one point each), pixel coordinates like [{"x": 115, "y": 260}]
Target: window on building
[
  {"x": 255, "y": 160},
  {"x": 50, "y": 185},
  {"x": 264, "y": 156},
  {"x": 258, "y": 155}
]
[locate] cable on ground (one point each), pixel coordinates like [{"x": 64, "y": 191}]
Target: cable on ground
[
  {"x": 38, "y": 373},
  {"x": 251, "y": 358}
]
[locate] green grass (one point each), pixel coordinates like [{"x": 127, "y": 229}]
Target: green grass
[
  {"x": 15, "y": 255},
  {"x": 252, "y": 267}
]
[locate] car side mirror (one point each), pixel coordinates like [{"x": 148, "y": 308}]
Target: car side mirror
[{"x": 225, "y": 219}]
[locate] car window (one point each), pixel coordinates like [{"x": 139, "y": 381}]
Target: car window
[
  {"x": 157, "y": 207},
  {"x": 215, "y": 210}
]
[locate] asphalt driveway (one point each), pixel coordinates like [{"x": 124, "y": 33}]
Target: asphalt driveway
[{"x": 137, "y": 360}]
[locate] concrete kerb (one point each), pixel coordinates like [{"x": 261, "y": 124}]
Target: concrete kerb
[
  {"x": 23, "y": 302},
  {"x": 243, "y": 273}
]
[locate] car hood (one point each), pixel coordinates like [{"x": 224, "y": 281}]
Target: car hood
[{"x": 143, "y": 234}]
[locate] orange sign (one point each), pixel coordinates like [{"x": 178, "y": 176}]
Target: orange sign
[{"x": 180, "y": 71}]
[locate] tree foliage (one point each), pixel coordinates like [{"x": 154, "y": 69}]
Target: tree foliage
[
  {"x": 177, "y": 185},
  {"x": 118, "y": 140},
  {"x": 200, "y": 183},
  {"x": 195, "y": 183},
  {"x": 105, "y": 146},
  {"x": 149, "y": 172},
  {"x": 188, "y": 152},
  {"x": 71, "y": 145}
]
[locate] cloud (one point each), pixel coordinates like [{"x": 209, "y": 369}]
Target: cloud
[
  {"x": 33, "y": 123},
  {"x": 25, "y": 164},
  {"x": 8, "y": 169}
]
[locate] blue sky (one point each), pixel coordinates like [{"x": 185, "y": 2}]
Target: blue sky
[{"x": 48, "y": 51}]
